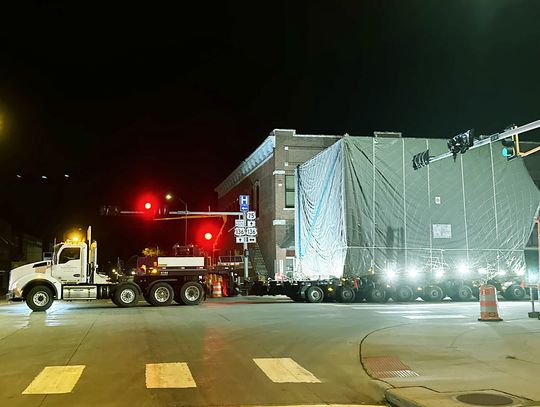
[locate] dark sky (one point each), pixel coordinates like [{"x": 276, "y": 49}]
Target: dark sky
[{"x": 130, "y": 98}]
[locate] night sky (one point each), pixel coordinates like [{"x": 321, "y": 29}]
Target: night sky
[{"x": 133, "y": 99}]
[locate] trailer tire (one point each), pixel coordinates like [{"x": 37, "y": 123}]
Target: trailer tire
[
  {"x": 161, "y": 294},
  {"x": 39, "y": 298},
  {"x": 404, "y": 293},
  {"x": 463, "y": 293},
  {"x": 376, "y": 294},
  {"x": 345, "y": 294},
  {"x": 515, "y": 292},
  {"x": 314, "y": 294},
  {"x": 126, "y": 295},
  {"x": 191, "y": 293},
  {"x": 433, "y": 293}
]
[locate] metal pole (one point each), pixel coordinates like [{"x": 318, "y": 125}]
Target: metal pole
[
  {"x": 493, "y": 138},
  {"x": 246, "y": 251}
]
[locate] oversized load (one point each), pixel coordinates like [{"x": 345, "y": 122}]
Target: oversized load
[{"x": 361, "y": 209}]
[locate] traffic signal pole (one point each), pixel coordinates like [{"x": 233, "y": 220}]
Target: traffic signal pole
[{"x": 423, "y": 159}]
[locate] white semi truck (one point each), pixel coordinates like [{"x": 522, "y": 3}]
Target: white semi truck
[{"x": 73, "y": 274}]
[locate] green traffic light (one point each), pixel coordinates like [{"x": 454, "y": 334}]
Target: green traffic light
[{"x": 508, "y": 152}]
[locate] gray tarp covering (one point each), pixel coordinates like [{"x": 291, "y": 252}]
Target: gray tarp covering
[{"x": 360, "y": 207}]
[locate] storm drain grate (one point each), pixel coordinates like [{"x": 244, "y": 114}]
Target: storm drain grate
[
  {"x": 484, "y": 399},
  {"x": 385, "y": 367}
]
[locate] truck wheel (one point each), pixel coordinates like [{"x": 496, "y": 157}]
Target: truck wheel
[
  {"x": 161, "y": 294},
  {"x": 515, "y": 292},
  {"x": 345, "y": 294},
  {"x": 126, "y": 295},
  {"x": 191, "y": 293},
  {"x": 314, "y": 294},
  {"x": 463, "y": 293},
  {"x": 376, "y": 294},
  {"x": 433, "y": 293},
  {"x": 404, "y": 293},
  {"x": 39, "y": 298}
]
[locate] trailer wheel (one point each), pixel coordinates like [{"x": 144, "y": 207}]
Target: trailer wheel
[
  {"x": 345, "y": 294},
  {"x": 161, "y": 294},
  {"x": 463, "y": 293},
  {"x": 433, "y": 293},
  {"x": 404, "y": 293},
  {"x": 515, "y": 292},
  {"x": 191, "y": 293},
  {"x": 376, "y": 294},
  {"x": 314, "y": 294},
  {"x": 126, "y": 295},
  {"x": 39, "y": 298}
]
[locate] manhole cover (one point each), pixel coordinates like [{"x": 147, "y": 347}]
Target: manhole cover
[{"x": 484, "y": 399}]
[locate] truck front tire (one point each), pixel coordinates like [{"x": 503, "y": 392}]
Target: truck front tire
[
  {"x": 126, "y": 295},
  {"x": 39, "y": 298}
]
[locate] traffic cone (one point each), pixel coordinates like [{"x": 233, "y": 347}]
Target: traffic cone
[
  {"x": 489, "y": 310},
  {"x": 216, "y": 289}
]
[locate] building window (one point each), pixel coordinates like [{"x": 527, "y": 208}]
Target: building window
[{"x": 289, "y": 191}]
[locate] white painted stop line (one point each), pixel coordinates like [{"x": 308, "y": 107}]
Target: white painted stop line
[{"x": 435, "y": 316}]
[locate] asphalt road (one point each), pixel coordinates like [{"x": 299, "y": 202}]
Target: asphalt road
[{"x": 242, "y": 351}]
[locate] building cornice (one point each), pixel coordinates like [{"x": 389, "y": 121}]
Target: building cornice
[{"x": 262, "y": 154}]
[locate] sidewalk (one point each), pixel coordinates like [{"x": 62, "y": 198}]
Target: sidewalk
[{"x": 436, "y": 362}]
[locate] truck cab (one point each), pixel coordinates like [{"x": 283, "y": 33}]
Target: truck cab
[{"x": 72, "y": 273}]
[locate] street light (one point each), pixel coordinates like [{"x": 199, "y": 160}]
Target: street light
[{"x": 169, "y": 197}]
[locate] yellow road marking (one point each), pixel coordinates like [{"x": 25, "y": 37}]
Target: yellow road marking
[
  {"x": 55, "y": 380},
  {"x": 285, "y": 370},
  {"x": 169, "y": 375}
]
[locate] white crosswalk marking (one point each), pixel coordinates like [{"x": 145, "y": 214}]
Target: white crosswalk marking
[
  {"x": 55, "y": 380},
  {"x": 169, "y": 376},
  {"x": 405, "y": 312},
  {"x": 435, "y": 316},
  {"x": 285, "y": 370}
]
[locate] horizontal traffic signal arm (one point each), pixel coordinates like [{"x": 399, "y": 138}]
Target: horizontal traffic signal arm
[{"x": 422, "y": 159}]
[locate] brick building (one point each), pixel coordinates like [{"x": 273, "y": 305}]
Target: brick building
[{"x": 267, "y": 175}]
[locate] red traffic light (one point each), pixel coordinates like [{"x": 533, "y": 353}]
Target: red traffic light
[
  {"x": 208, "y": 236},
  {"x": 147, "y": 205}
]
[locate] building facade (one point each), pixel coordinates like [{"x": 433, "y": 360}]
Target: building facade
[{"x": 267, "y": 176}]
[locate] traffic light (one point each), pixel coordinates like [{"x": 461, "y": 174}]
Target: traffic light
[
  {"x": 420, "y": 160},
  {"x": 461, "y": 143},
  {"x": 510, "y": 148},
  {"x": 147, "y": 205}
]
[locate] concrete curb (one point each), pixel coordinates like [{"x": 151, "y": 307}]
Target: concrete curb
[{"x": 425, "y": 397}]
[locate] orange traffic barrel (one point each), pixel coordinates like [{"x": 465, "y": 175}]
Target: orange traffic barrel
[
  {"x": 216, "y": 289},
  {"x": 489, "y": 309}
]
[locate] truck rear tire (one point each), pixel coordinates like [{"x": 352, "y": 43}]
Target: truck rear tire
[
  {"x": 191, "y": 293},
  {"x": 376, "y": 294},
  {"x": 515, "y": 293},
  {"x": 126, "y": 295},
  {"x": 463, "y": 293},
  {"x": 161, "y": 294},
  {"x": 345, "y": 294},
  {"x": 404, "y": 293},
  {"x": 314, "y": 294},
  {"x": 433, "y": 293},
  {"x": 39, "y": 298}
]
